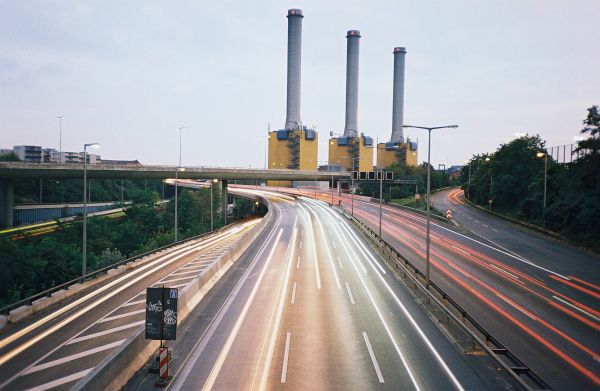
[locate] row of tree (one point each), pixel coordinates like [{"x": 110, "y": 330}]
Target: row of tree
[
  {"x": 36, "y": 263},
  {"x": 520, "y": 179}
]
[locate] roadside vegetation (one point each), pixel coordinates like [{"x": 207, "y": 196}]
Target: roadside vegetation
[
  {"x": 36, "y": 263},
  {"x": 513, "y": 178},
  {"x": 404, "y": 193}
]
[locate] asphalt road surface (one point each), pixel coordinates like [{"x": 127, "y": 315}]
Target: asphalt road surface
[
  {"x": 55, "y": 348},
  {"x": 539, "y": 297},
  {"x": 312, "y": 307}
]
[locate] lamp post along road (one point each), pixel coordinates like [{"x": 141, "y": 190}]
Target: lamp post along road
[
  {"x": 84, "y": 245},
  {"x": 60, "y": 138},
  {"x": 380, "y": 173},
  {"x": 545, "y": 155},
  {"x": 176, "y": 175},
  {"x": 427, "y": 239}
]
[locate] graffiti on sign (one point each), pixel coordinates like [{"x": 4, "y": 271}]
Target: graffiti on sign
[{"x": 161, "y": 313}]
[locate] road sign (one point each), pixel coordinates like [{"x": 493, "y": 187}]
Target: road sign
[{"x": 161, "y": 313}]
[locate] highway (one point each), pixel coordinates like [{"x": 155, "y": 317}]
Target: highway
[
  {"x": 60, "y": 345},
  {"x": 543, "y": 309},
  {"x": 315, "y": 308}
]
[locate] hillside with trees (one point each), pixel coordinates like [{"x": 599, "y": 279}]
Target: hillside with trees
[
  {"x": 513, "y": 178},
  {"x": 36, "y": 263}
]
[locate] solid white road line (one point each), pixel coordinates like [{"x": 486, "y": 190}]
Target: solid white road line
[
  {"x": 175, "y": 279},
  {"x": 122, "y": 315},
  {"x": 192, "y": 358},
  {"x": 105, "y": 332},
  {"x": 373, "y": 359},
  {"x": 225, "y": 350},
  {"x": 61, "y": 381},
  {"x": 127, "y": 281},
  {"x": 285, "y": 358},
  {"x": 314, "y": 246},
  {"x": 192, "y": 267},
  {"x": 350, "y": 293},
  {"x": 503, "y": 271},
  {"x": 277, "y": 315},
  {"x": 72, "y": 357},
  {"x": 516, "y": 307},
  {"x": 184, "y": 273},
  {"x": 294, "y": 294},
  {"x": 136, "y": 302},
  {"x": 414, "y": 323},
  {"x": 330, "y": 256},
  {"x": 577, "y": 308}
]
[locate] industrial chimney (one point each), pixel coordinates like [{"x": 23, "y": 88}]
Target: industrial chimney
[
  {"x": 398, "y": 102},
  {"x": 353, "y": 40},
  {"x": 294, "y": 55}
]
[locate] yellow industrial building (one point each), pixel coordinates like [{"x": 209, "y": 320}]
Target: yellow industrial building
[
  {"x": 397, "y": 153},
  {"x": 292, "y": 149},
  {"x": 351, "y": 153}
]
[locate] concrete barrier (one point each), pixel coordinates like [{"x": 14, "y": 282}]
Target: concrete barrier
[
  {"x": 19, "y": 313},
  {"x": 119, "y": 366},
  {"x": 3, "y": 321}
]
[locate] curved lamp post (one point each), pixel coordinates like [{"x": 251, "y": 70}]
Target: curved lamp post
[
  {"x": 427, "y": 240},
  {"x": 84, "y": 247}
]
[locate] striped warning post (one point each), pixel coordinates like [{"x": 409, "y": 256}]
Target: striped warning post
[{"x": 163, "y": 363}]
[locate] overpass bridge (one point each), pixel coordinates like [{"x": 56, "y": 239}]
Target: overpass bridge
[{"x": 9, "y": 171}]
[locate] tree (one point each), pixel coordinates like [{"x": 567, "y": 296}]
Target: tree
[{"x": 592, "y": 126}]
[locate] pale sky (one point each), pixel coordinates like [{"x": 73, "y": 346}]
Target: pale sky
[{"x": 127, "y": 74}]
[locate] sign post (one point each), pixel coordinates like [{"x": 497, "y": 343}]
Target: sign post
[{"x": 161, "y": 325}]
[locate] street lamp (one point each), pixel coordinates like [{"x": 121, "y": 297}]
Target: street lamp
[
  {"x": 380, "y": 172},
  {"x": 176, "y": 197},
  {"x": 427, "y": 239},
  {"x": 211, "y": 204},
  {"x": 487, "y": 159},
  {"x": 60, "y": 138},
  {"x": 176, "y": 172},
  {"x": 95, "y": 146},
  {"x": 545, "y": 156}
]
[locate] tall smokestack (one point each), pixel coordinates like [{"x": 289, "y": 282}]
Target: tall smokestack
[
  {"x": 398, "y": 104},
  {"x": 294, "y": 56},
  {"x": 353, "y": 40}
]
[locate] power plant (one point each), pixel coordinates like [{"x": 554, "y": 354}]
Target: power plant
[
  {"x": 295, "y": 146},
  {"x": 397, "y": 150},
  {"x": 351, "y": 151}
]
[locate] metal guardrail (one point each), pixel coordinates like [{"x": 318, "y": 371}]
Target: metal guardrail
[
  {"x": 96, "y": 273},
  {"x": 518, "y": 371}
]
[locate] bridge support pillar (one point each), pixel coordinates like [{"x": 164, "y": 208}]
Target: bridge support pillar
[
  {"x": 6, "y": 203},
  {"x": 224, "y": 200}
]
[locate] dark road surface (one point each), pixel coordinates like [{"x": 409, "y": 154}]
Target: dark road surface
[{"x": 312, "y": 307}]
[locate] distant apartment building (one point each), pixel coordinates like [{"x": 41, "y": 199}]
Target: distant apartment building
[
  {"x": 28, "y": 153},
  {"x": 37, "y": 154},
  {"x": 77, "y": 157},
  {"x": 50, "y": 155}
]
